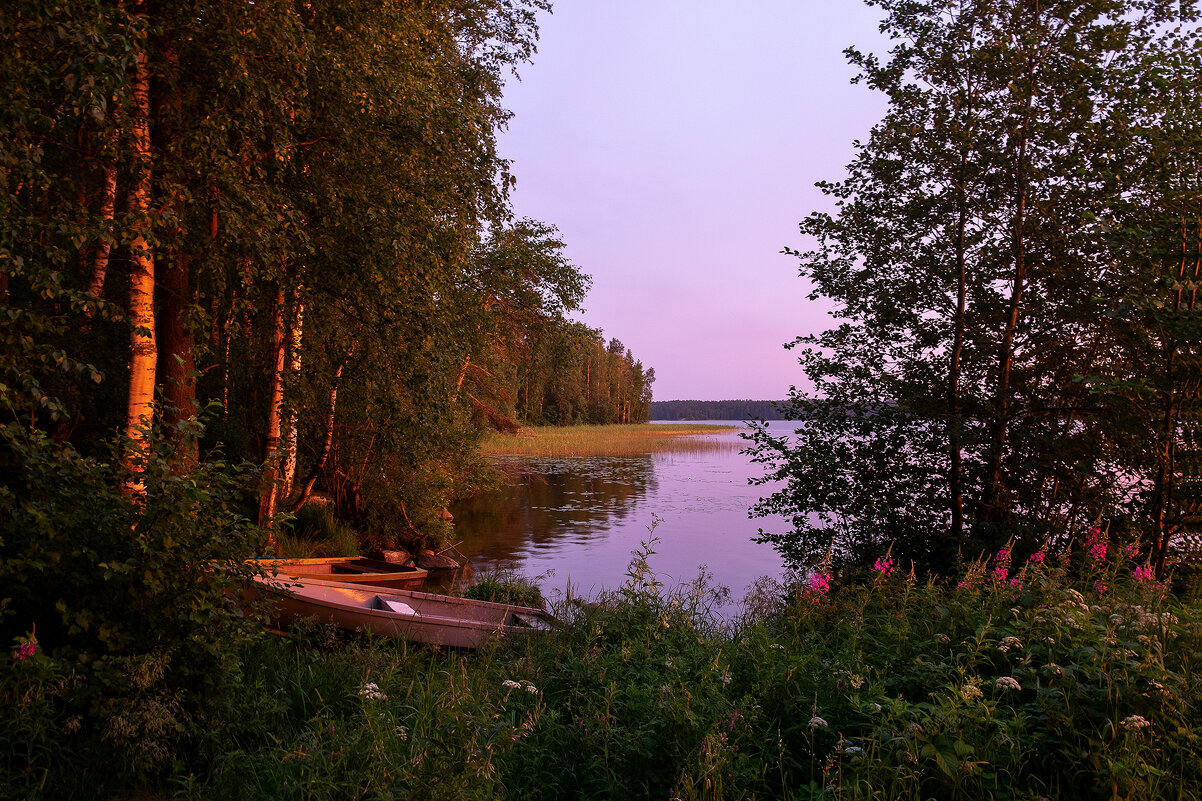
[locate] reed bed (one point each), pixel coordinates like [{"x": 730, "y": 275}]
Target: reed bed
[{"x": 611, "y": 440}]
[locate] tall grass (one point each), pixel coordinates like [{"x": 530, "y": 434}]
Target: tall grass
[{"x": 612, "y": 440}]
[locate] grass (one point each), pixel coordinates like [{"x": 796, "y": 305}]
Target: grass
[
  {"x": 612, "y": 440},
  {"x": 1049, "y": 681}
]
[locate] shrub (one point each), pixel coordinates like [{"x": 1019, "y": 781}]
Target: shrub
[{"x": 134, "y": 605}]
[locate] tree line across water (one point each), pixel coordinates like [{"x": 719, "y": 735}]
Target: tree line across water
[{"x": 717, "y": 410}]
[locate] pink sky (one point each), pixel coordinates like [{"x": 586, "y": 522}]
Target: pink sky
[{"x": 675, "y": 143}]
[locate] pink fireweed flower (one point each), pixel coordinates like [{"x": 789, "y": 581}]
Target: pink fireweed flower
[
  {"x": 1142, "y": 573},
  {"x": 1132, "y": 550},
  {"x": 26, "y": 650},
  {"x": 1038, "y": 556},
  {"x": 883, "y": 568},
  {"x": 1100, "y": 588},
  {"x": 817, "y": 586},
  {"x": 1096, "y": 544}
]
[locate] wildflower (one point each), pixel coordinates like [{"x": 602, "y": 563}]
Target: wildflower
[
  {"x": 726, "y": 677},
  {"x": 530, "y": 688},
  {"x": 777, "y": 646},
  {"x": 1038, "y": 556},
  {"x": 943, "y": 638},
  {"x": 817, "y": 722},
  {"x": 509, "y": 684},
  {"x": 853, "y": 750},
  {"x": 1007, "y": 683},
  {"x": 971, "y": 692},
  {"x": 817, "y": 586},
  {"x": 883, "y": 568},
  {"x": 1132, "y": 550},
  {"x": 26, "y": 650},
  {"x": 1009, "y": 642},
  {"x": 1100, "y": 587},
  {"x": 1142, "y": 573},
  {"x": 371, "y": 692},
  {"x": 1136, "y": 722},
  {"x": 1096, "y": 544},
  {"x": 876, "y": 707},
  {"x": 402, "y": 732}
]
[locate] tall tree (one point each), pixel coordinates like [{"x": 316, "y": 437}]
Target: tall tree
[{"x": 972, "y": 260}]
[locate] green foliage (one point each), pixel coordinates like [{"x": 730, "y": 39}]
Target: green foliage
[
  {"x": 507, "y": 588},
  {"x": 133, "y": 604},
  {"x": 990, "y": 232},
  {"x": 1067, "y": 680},
  {"x": 315, "y": 531}
]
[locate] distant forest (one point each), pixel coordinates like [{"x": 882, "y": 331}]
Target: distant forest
[{"x": 716, "y": 410}]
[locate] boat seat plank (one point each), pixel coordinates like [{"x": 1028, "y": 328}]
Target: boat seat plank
[{"x": 393, "y": 605}]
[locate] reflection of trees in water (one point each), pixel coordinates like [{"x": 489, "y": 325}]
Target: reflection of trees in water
[{"x": 552, "y": 500}]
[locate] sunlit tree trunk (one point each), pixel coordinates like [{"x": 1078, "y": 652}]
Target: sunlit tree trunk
[
  {"x": 295, "y": 337},
  {"x": 270, "y": 492},
  {"x": 143, "y": 347},
  {"x": 326, "y": 446}
]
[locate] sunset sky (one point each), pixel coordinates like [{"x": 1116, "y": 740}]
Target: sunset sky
[{"x": 676, "y": 143}]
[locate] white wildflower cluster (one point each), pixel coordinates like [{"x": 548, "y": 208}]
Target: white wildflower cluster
[
  {"x": 1007, "y": 683},
  {"x": 1140, "y": 619},
  {"x": 510, "y": 684},
  {"x": 1052, "y": 669},
  {"x": 402, "y": 732},
  {"x": 1137, "y": 722},
  {"x": 371, "y": 691},
  {"x": 971, "y": 692},
  {"x": 818, "y": 723},
  {"x": 777, "y": 646},
  {"x": 943, "y": 638},
  {"x": 1010, "y": 643}
]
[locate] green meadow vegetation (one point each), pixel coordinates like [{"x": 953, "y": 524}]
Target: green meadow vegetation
[{"x": 1066, "y": 678}]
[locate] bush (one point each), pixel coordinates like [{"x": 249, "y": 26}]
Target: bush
[{"x": 130, "y": 609}]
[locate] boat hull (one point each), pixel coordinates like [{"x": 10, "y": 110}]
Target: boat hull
[
  {"x": 416, "y": 616},
  {"x": 349, "y": 570}
]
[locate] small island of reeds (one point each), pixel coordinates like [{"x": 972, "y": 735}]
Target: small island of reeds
[{"x": 610, "y": 440}]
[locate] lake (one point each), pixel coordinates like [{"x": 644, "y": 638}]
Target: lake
[{"x": 577, "y": 520}]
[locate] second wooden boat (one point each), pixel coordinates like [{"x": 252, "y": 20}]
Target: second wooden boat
[{"x": 349, "y": 570}]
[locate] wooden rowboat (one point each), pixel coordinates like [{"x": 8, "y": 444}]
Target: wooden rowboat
[
  {"x": 416, "y": 616},
  {"x": 349, "y": 570}
]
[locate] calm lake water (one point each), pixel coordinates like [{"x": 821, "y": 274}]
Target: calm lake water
[{"x": 578, "y": 520}]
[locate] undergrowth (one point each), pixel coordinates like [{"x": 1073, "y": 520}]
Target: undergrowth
[{"x": 1057, "y": 681}]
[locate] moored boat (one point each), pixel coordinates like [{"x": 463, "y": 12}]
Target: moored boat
[
  {"x": 416, "y": 616},
  {"x": 349, "y": 570}
]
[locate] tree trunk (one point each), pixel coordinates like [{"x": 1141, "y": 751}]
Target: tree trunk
[
  {"x": 294, "y": 338},
  {"x": 143, "y": 347},
  {"x": 271, "y": 488},
  {"x": 326, "y": 446},
  {"x": 104, "y": 245}
]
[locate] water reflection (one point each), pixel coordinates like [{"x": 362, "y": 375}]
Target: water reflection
[
  {"x": 582, "y": 517},
  {"x": 553, "y": 503}
]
